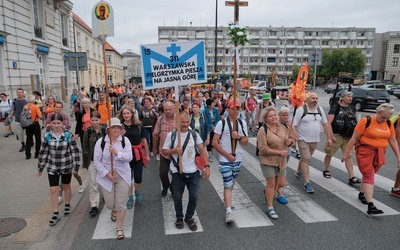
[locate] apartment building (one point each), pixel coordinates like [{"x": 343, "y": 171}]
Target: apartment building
[
  {"x": 271, "y": 48},
  {"x": 35, "y": 37},
  {"x": 389, "y": 68}
]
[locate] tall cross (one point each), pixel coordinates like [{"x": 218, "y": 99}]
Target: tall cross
[{"x": 236, "y": 4}]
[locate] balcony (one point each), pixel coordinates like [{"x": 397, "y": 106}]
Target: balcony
[
  {"x": 65, "y": 42},
  {"x": 38, "y": 31}
]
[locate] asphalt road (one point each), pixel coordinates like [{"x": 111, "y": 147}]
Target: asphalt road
[{"x": 331, "y": 218}]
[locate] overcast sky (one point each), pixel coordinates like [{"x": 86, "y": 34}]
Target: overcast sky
[{"x": 136, "y": 22}]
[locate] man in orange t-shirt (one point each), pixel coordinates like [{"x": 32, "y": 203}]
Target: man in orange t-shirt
[
  {"x": 33, "y": 130},
  {"x": 105, "y": 112}
]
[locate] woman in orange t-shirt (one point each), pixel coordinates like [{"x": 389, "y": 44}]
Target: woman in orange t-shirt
[
  {"x": 372, "y": 136},
  {"x": 49, "y": 106}
]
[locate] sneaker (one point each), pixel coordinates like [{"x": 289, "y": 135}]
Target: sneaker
[
  {"x": 6, "y": 134},
  {"x": 158, "y": 157},
  {"x": 210, "y": 159},
  {"x": 81, "y": 189},
  {"x": 229, "y": 218},
  {"x": 298, "y": 156},
  {"x": 299, "y": 175},
  {"x": 271, "y": 213},
  {"x": 10, "y": 133},
  {"x": 59, "y": 199},
  {"x": 94, "y": 211},
  {"x": 281, "y": 199},
  {"x": 139, "y": 198},
  {"x": 151, "y": 154},
  {"x": 395, "y": 193},
  {"x": 308, "y": 188}
]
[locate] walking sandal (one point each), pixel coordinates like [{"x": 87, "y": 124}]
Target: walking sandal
[
  {"x": 120, "y": 233},
  {"x": 53, "y": 221},
  {"x": 113, "y": 215}
]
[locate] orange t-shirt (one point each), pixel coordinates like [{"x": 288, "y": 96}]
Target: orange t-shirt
[
  {"x": 50, "y": 109},
  {"x": 102, "y": 108},
  {"x": 35, "y": 111},
  {"x": 377, "y": 134}
]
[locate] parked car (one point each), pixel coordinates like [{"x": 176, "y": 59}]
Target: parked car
[
  {"x": 396, "y": 91},
  {"x": 389, "y": 89},
  {"x": 373, "y": 85},
  {"x": 365, "y": 98},
  {"x": 331, "y": 89}
]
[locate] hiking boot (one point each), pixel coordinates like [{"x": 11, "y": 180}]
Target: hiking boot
[
  {"x": 308, "y": 188},
  {"x": 229, "y": 218}
]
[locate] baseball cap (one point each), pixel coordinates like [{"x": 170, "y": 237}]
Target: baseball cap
[
  {"x": 345, "y": 93},
  {"x": 115, "y": 122},
  {"x": 266, "y": 96},
  {"x": 230, "y": 103}
]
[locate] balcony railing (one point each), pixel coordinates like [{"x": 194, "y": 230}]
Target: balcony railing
[{"x": 38, "y": 32}]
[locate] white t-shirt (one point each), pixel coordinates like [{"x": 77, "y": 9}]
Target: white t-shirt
[
  {"x": 5, "y": 106},
  {"x": 225, "y": 139},
  {"x": 188, "y": 156},
  {"x": 309, "y": 126}
]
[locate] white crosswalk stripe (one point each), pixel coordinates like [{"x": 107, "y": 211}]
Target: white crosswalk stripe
[
  {"x": 170, "y": 217},
  {"x": 300, "y": 203},
  {"x": 246, "y": 213},
  {"x": 105, "y": 229}
]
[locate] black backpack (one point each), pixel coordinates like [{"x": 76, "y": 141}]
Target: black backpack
[
  {"x": 349, "y": 122},
  {"x": 103, "y": 142}
]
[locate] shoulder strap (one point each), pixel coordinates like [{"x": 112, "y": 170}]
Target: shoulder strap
[
  {"x": 305, "y": 111},
  {"x": 368, "y": 122},
  {"x": 265, "y": 128},
  {"x": 223, "y": 126},
  {"x": 241, "y": 124},
  {"x": 67, "y": 135},
  {"x": 103, "y": 143}
]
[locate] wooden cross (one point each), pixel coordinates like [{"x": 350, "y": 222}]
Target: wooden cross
[{"x": 236, "y": 4}]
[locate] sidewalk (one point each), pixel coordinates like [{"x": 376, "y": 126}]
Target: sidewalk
[{"x": 26, "y": 196}]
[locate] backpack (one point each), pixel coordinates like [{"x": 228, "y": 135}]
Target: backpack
[
  {"x": 369, "y": 122},
  {"x": 67, "y": 136},
  {"x": 305, "y": 111},
  {"x": 173, "y": 138},
  {"x": 223, "y": 126},
  {"x": 349, "y": 122},
  {"x": 103, "y": 142},
  {"x": 266, "y": 132},
  {"x": 26, "y": 118}
]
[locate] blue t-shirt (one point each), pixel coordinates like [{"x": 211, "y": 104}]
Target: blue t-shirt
[{"x": 18, "y": 105}]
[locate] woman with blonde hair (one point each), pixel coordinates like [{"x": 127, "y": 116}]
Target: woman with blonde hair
[
  {"x": 273, "y": 141},
  {"x": 132, "y": 128},
  {"x": 371, "y": 137}
]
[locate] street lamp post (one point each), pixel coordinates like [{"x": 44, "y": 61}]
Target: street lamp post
[{"x": 215, "y": 44}]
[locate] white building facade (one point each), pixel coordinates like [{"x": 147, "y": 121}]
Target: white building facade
[
  {"x": 275, "y": 49},
  {"x": 35, "y": 38}
]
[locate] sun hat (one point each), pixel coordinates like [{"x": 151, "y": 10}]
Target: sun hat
[
  {"x": 115, "y": 122},
  {"x": 266, "y": 96}
]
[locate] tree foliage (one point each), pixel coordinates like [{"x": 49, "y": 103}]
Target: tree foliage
[{"x": 349, "y": 60}]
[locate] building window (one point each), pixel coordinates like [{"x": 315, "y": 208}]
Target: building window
[
  {"x": 395, "y": 61},
  {"x": 64, "y": 29},
  {"x": 108, "y": 58},
  {"x": 396, "y": 48},
  {"x": 37, "y": 19},
  {"x": 308, "y": 33}
]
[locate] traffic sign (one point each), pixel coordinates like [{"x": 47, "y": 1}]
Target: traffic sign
[
  {"x": 102, "y": 20},
  {"x": 77, "y": 61},
  {"x": 173, "y": 64}
]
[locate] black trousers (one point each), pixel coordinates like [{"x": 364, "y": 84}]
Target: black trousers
[{"x": 33, "y": 131}]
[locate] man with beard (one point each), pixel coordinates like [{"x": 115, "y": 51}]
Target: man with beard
[{"x": 307, "y": 124}]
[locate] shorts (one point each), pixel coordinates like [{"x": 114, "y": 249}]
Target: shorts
[
  {"x": 230, "y": 172},
  {"x": 54, "y": 179},
  {"x": 306, "y": 149},
  {"x": 341, "y": 142},
  {"x": 272, "y": 171}
]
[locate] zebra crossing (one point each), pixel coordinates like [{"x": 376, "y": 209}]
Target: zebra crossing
[{"x": 247, "y": 214}]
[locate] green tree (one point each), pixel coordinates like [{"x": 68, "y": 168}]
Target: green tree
[
  {"x": 350, "y": 60},
  {"x": 246, "y": 75}
]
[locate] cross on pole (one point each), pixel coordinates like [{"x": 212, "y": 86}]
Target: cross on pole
[{"x": 236, "y": 4}]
